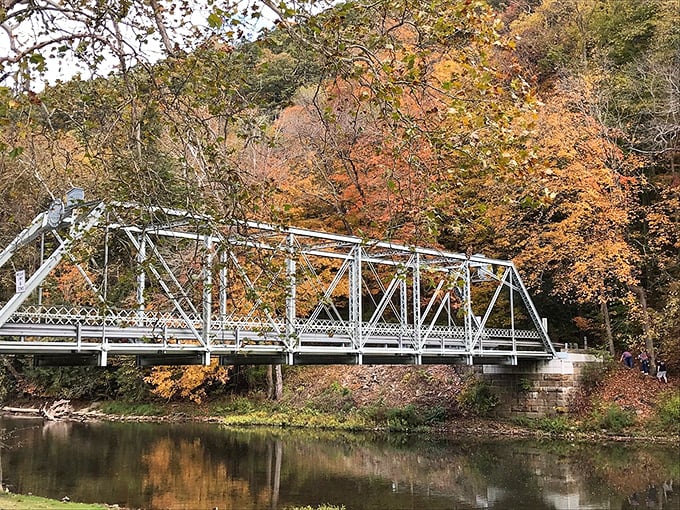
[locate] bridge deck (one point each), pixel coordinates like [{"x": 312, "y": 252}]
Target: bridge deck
[{"x": 86, "y": 331}]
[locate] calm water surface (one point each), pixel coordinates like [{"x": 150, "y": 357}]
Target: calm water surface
[{"x": 203, "y": 466}]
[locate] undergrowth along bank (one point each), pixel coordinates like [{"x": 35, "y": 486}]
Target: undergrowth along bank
[{"x": 606, "y": 420}]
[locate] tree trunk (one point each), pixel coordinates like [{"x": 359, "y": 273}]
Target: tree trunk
[
  {"x": 274, "y": 382},
  {"x": 270, "y": 382},
  {"x": 608, "y": 328},
  {"x": 278, "y": 392},
  {"x": 646, "y": 326}
]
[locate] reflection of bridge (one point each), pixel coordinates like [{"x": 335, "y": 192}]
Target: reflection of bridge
[{"x": 170, "y": 287}]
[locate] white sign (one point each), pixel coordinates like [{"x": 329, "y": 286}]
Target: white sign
[{"x": 21, "y": 281}]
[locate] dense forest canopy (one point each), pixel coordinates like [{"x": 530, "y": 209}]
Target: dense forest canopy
[{"x": 542, "y": 131}]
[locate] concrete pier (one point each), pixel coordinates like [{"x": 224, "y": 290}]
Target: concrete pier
[{"x": 540, "y": 388}]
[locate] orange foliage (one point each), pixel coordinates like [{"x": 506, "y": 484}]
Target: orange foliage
[
  {"x": 379, "y": 153},
  {"x": 582, "y": 200},
  {"x": 186, "y": 382},
  {"x": 71, "y": 287}
]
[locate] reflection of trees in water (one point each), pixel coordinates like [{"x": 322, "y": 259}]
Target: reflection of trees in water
[
  {"x": 182, "y": 466},
  {"x": 183, "y": 472},
  {"x": 613, "y": 465},
  {"x": 498, "y": 474},
  {"x": 655, "y": 497}
]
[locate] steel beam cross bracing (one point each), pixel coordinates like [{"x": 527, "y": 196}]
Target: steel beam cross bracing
[{"x": 162, "y": 282}]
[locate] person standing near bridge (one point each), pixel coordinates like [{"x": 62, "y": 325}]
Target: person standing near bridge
[
  {"x": 644, "y": 362},
  {"x": 661, "y": 370},
  {"x": 627, "y": 359}
]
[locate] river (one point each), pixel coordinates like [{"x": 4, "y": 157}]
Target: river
[{"x": 206, "y": 466}]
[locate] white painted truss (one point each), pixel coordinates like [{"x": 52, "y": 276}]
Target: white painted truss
[{"x": 171, "y": 287}]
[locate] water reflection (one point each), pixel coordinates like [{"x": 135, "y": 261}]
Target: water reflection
[
  {"x": 196, "y": 466},
  {"x": 652, "y": 498}
]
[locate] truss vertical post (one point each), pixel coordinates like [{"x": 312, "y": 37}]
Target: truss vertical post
[
  {"x": 469, "y": 316},
  {"x": 403, "y": 310},
  {"x": 291, "y": 292},
  {"x": 105, "y": 276},
  {"x": 223, "y": 284},
  {"x": 223, "y": 291},
  {"x": 141, "y": 277},
  {"x": 355, "y": 318},
  {"x": 207, "y": 296},
  {"x": 512, "y": 314},
  {"x": 42, "y": 259},
  {"x": 417, "y": 337}
]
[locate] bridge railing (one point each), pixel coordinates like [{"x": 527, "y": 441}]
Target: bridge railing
[{"x": 150, "y": 326}]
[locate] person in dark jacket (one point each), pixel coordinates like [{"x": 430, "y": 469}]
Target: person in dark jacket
[{"x": 661, "y": 370}]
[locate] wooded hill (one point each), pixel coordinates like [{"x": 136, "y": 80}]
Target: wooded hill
[{"x": 541, "y": 131}]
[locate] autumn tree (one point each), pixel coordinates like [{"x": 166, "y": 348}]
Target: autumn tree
[{"x": 414, "y": 105}]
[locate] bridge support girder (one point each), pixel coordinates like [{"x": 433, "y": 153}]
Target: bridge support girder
[{"x": 151, "y": 360}]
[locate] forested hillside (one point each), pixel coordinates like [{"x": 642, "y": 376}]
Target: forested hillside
[{"x": 546, "y": 132}]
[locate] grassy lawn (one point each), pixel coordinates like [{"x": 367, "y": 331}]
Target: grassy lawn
[{"x": 10, "y": 501}]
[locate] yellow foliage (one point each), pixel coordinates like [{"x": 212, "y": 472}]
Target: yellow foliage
[
  {"x": 186, "y": 382},
  {"x": 584, "y": 242}
]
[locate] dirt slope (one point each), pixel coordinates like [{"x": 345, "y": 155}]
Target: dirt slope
[
  {"x": 393, "y": 386},
  {"x": 633, "y": 391}
]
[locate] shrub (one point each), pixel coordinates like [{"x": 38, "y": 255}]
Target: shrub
[
  {"x": 556, "y": 425},
  {"x": 400, "y": 419},
  {"x": 477, "y": 397},
  {"x": 525, "y": 384},
  {"x": 335, "y": 398},
  {"x": 612, "y": 418},
  {"x": 236, "y": 405},
  {"x": 404, "y": 418},
  {"x": 7, "y": 381},
  {"x": 593, "y": 374},
  {"x": 668, "y": 411},
  {"x": 435, "y": 414}
]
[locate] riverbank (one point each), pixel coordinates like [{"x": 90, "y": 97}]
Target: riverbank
[
  {"x": 620, "y": 405},
  {"x": 9, "y": 501},
  {"x": 243, "y": 412}
]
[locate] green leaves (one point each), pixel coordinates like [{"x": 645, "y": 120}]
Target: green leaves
[{"x": 215, "y": 19}]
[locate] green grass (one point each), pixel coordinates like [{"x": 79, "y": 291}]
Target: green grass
[
  {"x": 131, "y": 409},
  {"x": 300, "y": 418},
  {"x": 9, "y": 501},
  {"x": 555, "y": 425}
]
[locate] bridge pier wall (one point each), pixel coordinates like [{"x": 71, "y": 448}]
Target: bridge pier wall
[{"x": 539, "y": 388}]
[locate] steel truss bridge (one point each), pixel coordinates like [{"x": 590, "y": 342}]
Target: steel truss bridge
[{"x": 87, "y": 281}]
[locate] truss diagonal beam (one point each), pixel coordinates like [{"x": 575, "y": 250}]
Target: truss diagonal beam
[
  {"x": 369, "y": 301},
  {"x": 26, "y": 236},
  {"x": 185, "y": 316},
  {"x": 489, "y": 309},
  {"x": 80, "y": 226}
]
